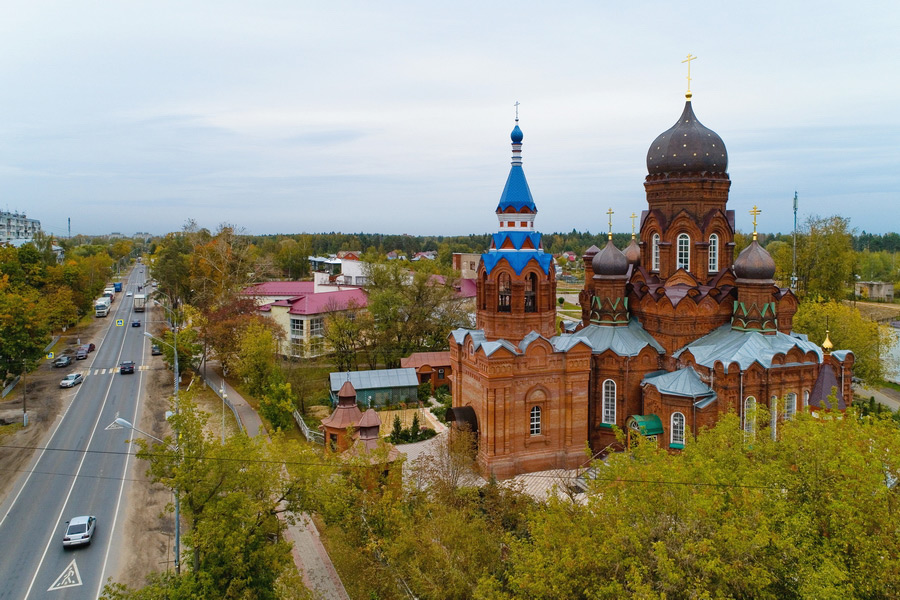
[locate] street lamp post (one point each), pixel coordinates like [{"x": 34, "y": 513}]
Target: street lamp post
[
  {"x": 177, "y": 501},
  {"x": 224, "y": 395},
  {"x": 128, "y": 425}
]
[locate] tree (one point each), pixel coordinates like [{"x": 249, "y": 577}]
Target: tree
[
  {"x": 277, "y": 405},
  {"x": 783, "y": 519},
  {"x": 256, "y": 363},
  {"x": 24, "y": 329},
  {"x": 236, "y": 499},
  {"x": 848, "y": 330},
  {"x": 345, "y": 334},
  {"x": 825, "y": 257}
]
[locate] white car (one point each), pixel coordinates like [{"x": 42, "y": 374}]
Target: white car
[
  {"x": 128, "y": 294},
  {"x": 79, "y": 530},
  {"x": 71, "y": 380}
]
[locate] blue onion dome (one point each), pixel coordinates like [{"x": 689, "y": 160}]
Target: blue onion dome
[
  {"x": 687, "y": 147},
  {"x": 610, "y": 261},
  {"x": 516, "y": 135},
  {"x": 633, "y": 253},
  {"x": 754, "y": 262}
]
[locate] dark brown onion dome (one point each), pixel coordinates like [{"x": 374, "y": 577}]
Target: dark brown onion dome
[
  {"x": 590, "y": 253},
  {"x": 754, "y": 263},
  {"x": 610, "y": 261},
  {"x": 633, "y": 253},
  {"x": 688, "y": 147}
]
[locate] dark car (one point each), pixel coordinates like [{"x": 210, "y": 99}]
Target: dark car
[
  {"x": 62, "y": 361},
  {"x": 79, "y": 530},
  {"x": 81, "y": 353},
  {"x": 89, "y": 347},
  {"x": 154, "y": 350},
  {"x": 136, "y": 323},
  {"x": 126, "y": 367}
]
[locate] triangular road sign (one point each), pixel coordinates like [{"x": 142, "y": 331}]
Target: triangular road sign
[{"x": 70, "y": 577}]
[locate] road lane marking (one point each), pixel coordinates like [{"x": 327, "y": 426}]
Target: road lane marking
[
  {"x": 84, "y": 454},
  {"x": 70, "y": 577}
]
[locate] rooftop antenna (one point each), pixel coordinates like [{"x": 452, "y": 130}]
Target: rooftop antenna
[{"x": 794, "y": 270}]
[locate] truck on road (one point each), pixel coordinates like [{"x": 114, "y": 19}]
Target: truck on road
[
  {"x": 117, "y": 286},
  {"x": 101, "y": 307},
  {"x": 110, "y": 292},
  {"x": 140, "y": 301}
]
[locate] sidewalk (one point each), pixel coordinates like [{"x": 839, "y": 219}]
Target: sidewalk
[{"x": 310, "y": 555}]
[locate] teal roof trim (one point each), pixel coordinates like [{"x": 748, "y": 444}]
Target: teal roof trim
[
  {"x": 683, "y": 382},
  {"x": 516, "y": 193},
  {"x": 626, "y": 340},
  {"x": 728, "y": 346},
  {"x": 649, "y": 424}
]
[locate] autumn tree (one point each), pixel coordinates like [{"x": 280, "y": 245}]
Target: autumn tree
[
  {"x": 825, "y": 258},
  {"x": 257, "y": 360},
  {"x": 848, "y": 329}
]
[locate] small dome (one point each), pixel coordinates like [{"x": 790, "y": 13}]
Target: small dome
[
  {"x": 633, "y": 253},
  {"x": 590, "y": 253},
  {"x": 610, "y": 261},
  {"x": 687, "y": 147},
  {"x": 754, "y": 263},
  {"x": 516, "y": 135}
]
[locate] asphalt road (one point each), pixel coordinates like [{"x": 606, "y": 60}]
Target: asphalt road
[{"x": 82, "y": 471}]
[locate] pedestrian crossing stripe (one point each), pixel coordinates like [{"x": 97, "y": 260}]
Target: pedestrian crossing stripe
[
  {"x": 70, "y": 577},
  {"x": 112, "y": 370}
]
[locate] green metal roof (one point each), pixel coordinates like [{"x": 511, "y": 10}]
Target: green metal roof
[{"x": 649, "y": 424}]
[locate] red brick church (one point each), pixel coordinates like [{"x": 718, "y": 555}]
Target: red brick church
[{"x": 675, "y": 331}]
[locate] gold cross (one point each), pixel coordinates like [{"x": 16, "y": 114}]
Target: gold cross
[
  {"x": 688, "y": 61},
  {"x": 610, "y": 213},
  {"x": 633, "y": 217},
  {"x": 754, "y": 211}
]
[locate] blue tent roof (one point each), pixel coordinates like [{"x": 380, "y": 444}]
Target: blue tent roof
[
  {"x": 517, "y": 260},
  {"x": 517, "y": 238},
  {"x": 516, "y": 193}
]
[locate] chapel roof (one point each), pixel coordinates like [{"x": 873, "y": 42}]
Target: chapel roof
[{"x": 687, "y": 147}]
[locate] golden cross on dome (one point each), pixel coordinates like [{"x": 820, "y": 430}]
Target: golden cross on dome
[
  {"x": 610, "y": 213},
  {"x": 688, "y": 60},
  {"x": 633, "y": 217},
  {"x": 754, "y": 211},
  {"x": 517, "y": 110}
]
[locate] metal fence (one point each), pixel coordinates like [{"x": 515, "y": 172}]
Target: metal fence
[
  {"x": 227, "y": 403},
  {"x": 309, "y": 434}
]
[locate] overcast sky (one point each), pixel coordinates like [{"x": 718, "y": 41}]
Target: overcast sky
[{"x": 394, "y": 117}]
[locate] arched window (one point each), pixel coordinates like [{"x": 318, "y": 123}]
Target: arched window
[
  {"x": 805, "y": 399},
  {"x": 684, "y": 252},
  {"x": 530, "y": 293},
  {"x": 677, "y": 429},
  {"x": 750, "y": 414},
  {"x": 655, "y": 251},
  {"x": 484, "y": 299},
  {"x": 773, "y": 417},
  {"x": 609, "y": 402},
  {"x": 714, "y": 253},
  {"x": 504, "y": 303},
  {"x": 790, "y": 406},
  {"x": 535, "y": 420}
]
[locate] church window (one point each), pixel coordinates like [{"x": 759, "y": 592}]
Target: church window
[
  {"x": 805, "y": 399},
  {"x": 504, "y": 303},
  {"x": 677, "y": 430},
  {"x": 510, "y": 223},
  {"x": 655, "y": 244},
  {"x": 750, "y": 415},
  {"x": 714, "y": 253},
  {"x": 523, "y": 224},
  {"x": 773, "y": 417},
  {"x": 790, "y": 406},
  {"x": 530, "y": 291},
  {"x": 684, "y": 252},
  {"x": 535, "y": 420},
  {"x": 609, "y": 402}
]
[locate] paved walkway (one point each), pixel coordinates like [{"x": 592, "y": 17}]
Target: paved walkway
[{"x": 309, "y": 554}]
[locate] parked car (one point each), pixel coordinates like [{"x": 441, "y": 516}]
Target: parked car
[
  {"x": 62, "y": 361},
  {"x": 126, "y": 367},
  {"x": 89, "y": 347},
  {"x": 136, "y": 323},
  {"x": 71, "y": 380},
  {"x": 81, "y": 353},
  {"x": 79, "y": 530},
  {"x": 154, "y": 350}
]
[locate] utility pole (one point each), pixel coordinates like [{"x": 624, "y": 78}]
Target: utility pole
[
  {"x": 794, "y": 273},
  {"x": 24, "y": 393}
]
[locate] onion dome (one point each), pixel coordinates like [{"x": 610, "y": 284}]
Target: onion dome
[
  {"x": 516, "y": 193},
  {"x": 610, "y": 261},
  {"x": 633, "y": 253},
  {"x": 754, "y": 263},
  {"x": 516, "y": 135},
  {"x": 687, "y": 147}
]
